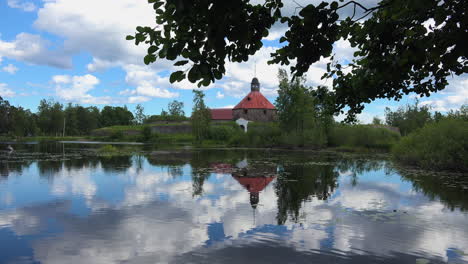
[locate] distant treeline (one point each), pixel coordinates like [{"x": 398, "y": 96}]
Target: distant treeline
[{"x": 55, "y": 119}]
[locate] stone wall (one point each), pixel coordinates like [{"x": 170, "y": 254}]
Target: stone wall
[{"x": 259, "y": 115}]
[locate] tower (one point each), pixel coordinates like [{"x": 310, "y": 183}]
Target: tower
[{"x": 255, "y": 85}]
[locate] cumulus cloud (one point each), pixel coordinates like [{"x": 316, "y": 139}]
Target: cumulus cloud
[
  {"x": 453, "y": 97},
  {"x": 23, "y": 5},
  {"x": 5, "y": 91},
  {"x": 10, "y": 68},
  {"x": 147, "y": 82},
  {"x": 77, "y": 88},
  {"x": 34, "y": 49}
]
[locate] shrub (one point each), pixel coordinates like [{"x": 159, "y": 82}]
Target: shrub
[
  {"x": 117, "y": 135},
  {"x": 222, "y": 132},
  {"x": 108, "y": 149},
  {"x": 146, "y": 134},
  {"x": 442, "y": 145},
  {"x": 362, "y": 136}
]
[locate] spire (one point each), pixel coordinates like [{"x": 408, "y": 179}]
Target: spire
[{"x": 255, "y": 85}]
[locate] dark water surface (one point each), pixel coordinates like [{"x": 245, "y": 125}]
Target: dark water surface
[{"x": 63, "y": 203}]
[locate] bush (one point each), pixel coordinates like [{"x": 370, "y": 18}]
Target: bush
[
  {"x": 117, "y": 135},
  {"x": 362, "y": 136},
  {"x": 146, "y": 134},
  {"x": 263, "y": 134},
  {"x": 222, "y": 132},
  {"x": 442, "y": 145}
]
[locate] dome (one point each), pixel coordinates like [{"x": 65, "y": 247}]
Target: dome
[{"x": 255, "y": 81}]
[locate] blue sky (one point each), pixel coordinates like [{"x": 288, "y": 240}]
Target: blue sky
[{"x": 75, "y": 51}]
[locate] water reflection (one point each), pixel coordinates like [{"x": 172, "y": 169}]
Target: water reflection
[{"x": 201, "y": 206}]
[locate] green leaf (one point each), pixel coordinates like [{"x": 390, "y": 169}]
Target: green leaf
[
  {"x": 193, "y": 74},
  {"x": 129, "y": 37},
  {"x": 152, "y": 49},
  {"x": 149, "y": 59},
  {"x": 176, "y": 76},
  {"x": 180, "y": 63}
]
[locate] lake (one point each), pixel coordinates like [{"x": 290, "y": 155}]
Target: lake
[{"x": 66, "y": 203}]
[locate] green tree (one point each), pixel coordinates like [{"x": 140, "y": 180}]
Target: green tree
[
  {"x": 408, "y": 118},
  {"x": 300, "y": 111},
  {"x": 139, "y": 114},
  {"x": 22, "y": 122},
  {"x": 115, "y": 116},
  {"x": 4, "y": 114},
  {"x": 176, "y": 108},
  {"x": 50, "y": 117},
  {"x": 397, "y": 53},
  {"x": 201, "y": 117},
  {"x": 377, "y": 121}
]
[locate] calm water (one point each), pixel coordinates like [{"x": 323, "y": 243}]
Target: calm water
[{"x": 64, "y": 204}]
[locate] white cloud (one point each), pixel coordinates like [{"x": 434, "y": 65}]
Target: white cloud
[
  {"x": 219, "y": 95},
  {"x": 10, "y": 68},
  {"x": 147, "y": 82},
  {"x": 453, "y": 97},
  {"x": 138, "y": 99},
  {"x": 77, "y": 88},
  {"x": 98, "y": 27},
  {"x": 5, "y": 91},
  {"x": 25, "y": 6},
  {"x": 33, "y": 49}
]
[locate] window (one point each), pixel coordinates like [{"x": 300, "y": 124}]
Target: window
[
  {"x": 264, "y": 112},
  {"x": 248, "y": 99},
  {"x": 245, "y": 111}
]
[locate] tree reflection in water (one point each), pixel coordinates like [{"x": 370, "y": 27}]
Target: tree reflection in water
[{"x": 298, "y": 183}]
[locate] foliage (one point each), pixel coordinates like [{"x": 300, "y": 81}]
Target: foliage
[
  {"x": 4, "y": 114},
  {"x": 80, "y": 120},
  {"x": 258, "y": 135},
  {"x": 201, "y": 117},
  {"x": 51, "y": 117},
  {"x": 439, "y": 145},
  {"x": 304, "y": 118},
  {"x": 362, "y": 136},
  {"x": 140, "y": 116},
  {"x": 176, "y": 108},
  {"x": 377, "y": 121},
  {"x": 117, "y": 135},
  {"x": 113, "y": 116},
  {"x": 408, "y": 118},
  {"x": 108, "y": 149},
  {"x": 397, "y": 52},
  {"x": 223, "y": 132},
  {"x": 159, "y": 118}
]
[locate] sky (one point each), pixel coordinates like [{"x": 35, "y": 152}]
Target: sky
[{"x": 75, "y": 51}]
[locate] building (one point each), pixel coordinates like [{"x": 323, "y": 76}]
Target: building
[{"x": 254, "y": 107}]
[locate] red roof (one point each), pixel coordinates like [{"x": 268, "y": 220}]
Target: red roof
[
  {"x": 254, "y": 184},
  {"x": 255, "y": 100},
  {"x": 221, "y": 114}
]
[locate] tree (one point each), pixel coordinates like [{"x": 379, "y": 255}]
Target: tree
[
  {"x": 50, "y": 117},
  {"x": 402, "y": 47},
  {"x": 176, "y": 108},
  {"x": 201, "y": 117},
  {"x": 377, "y": 121},
  {"x": 4, "y": 114},
  {"x": 116, "y": 116},
  {"x": 300, "y": 110},
  {"x": 140, "y": 114},
  {"x": 408, "y": 118}
]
